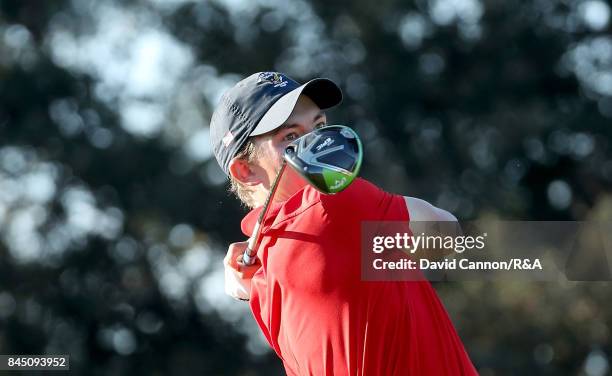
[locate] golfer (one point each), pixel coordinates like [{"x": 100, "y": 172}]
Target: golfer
[{"x": 305, "y": 289}]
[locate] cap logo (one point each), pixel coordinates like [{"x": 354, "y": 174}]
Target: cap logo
[
  {"x": 272, "y": 77},
  {"x": 229, "y": 137}
]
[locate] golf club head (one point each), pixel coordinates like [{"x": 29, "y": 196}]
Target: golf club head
[{"x": 329, "y": 158}]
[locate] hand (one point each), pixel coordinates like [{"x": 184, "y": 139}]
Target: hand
[{"x": 237, "y": 275}]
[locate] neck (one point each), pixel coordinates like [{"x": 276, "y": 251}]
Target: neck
[{"x": 261, "y": 195}]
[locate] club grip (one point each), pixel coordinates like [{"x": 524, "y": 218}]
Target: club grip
[{"x": 246, "y": 258}]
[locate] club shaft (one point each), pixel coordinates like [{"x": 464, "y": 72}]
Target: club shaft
[{"x": 248, "y": 258}]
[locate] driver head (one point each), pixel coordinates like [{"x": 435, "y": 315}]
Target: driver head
[{"x": 329, "y": 158}]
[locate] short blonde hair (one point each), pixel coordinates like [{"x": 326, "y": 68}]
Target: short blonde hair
[{"x": 249, "y": 153}]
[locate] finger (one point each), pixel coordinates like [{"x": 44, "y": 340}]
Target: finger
[
  {"x": 239, "y": 260},
  {"x": 247, "y": 274},
  {"x": 247, "y": 271},
  {"x": 233, "y": 250},
  {"x": 239, "y": 263},
  {"x": 236, "y": 262}
]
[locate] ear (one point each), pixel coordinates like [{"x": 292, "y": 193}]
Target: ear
[{"x": 243, "y": 172}]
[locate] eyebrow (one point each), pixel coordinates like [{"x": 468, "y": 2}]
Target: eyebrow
[{"x": 293, "y": 125}]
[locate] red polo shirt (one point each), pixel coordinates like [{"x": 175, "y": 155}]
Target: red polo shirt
[{"x": 316, "y": 312}]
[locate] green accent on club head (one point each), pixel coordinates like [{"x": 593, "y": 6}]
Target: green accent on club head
[{"x": 337, "y": 181}]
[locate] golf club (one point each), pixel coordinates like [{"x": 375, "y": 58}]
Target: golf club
[{"x": 328, "y": 158}]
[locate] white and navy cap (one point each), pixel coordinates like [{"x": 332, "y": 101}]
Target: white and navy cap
[{"x": 259, "y": 104}]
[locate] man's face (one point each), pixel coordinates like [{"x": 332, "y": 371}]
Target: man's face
[{"x": 305, "y": 118}]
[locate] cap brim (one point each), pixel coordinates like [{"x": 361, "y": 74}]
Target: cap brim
[{"x": 323, "y": 92}]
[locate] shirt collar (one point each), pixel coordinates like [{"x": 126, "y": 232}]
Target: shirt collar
[{"x": 249, "y": 220}]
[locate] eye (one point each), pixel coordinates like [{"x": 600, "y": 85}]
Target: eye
[
  {"x": 291, "y": 136},
  {"x": 320, "y": 125}
]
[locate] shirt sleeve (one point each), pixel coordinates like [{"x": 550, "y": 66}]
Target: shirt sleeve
[{"x": 365, "y": 201}]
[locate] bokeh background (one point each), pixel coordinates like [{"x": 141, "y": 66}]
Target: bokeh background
[{"x": 114, "y": 216}]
